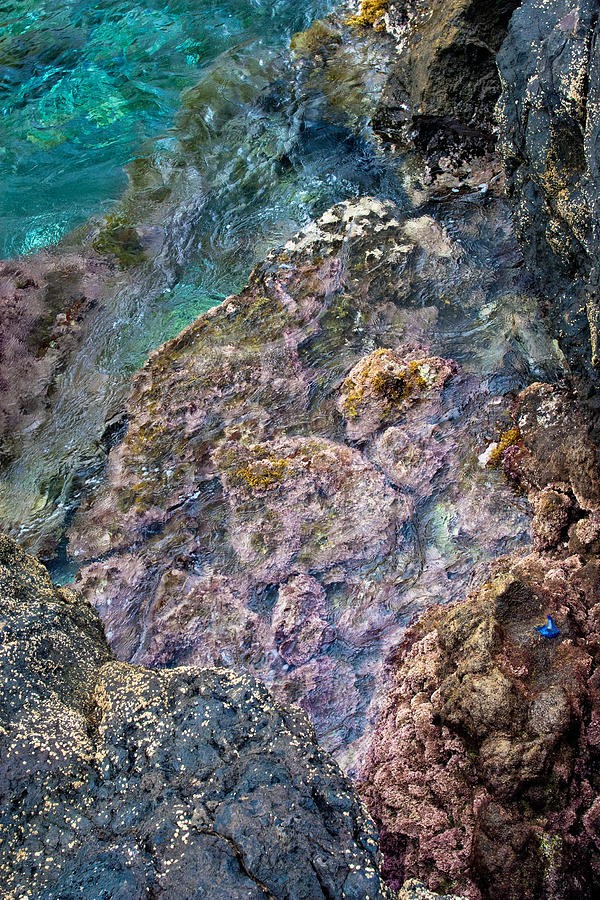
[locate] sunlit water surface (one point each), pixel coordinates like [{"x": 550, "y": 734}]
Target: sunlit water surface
[{"x": 84, "y": 85}]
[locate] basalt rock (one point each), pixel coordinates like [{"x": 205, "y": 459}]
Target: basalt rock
[
  {"x": 123, "y": 782},
  {"x": 443, "y": 87},
  {"x": 549, "y": 117},
  {"x": 250, "y": 519},
  {"x": 483, "y": 772}
]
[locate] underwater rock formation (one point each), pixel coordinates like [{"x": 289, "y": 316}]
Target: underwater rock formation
[
  {"x": 249, "y": 518},
  {"x": 43, "y": 302},
  {"x": 549, "y": 119},
  {"x": 200, "y": 209},
  {"x": 123, "y": 782},
  {"x": 483, "y": 771}
]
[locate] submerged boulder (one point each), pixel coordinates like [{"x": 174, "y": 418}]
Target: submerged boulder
[
  {"x": 300, "y": 471},
  {"x": 183, "y": 783}
]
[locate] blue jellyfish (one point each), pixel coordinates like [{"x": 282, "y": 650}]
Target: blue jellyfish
[{"x": 549, "y": 630}]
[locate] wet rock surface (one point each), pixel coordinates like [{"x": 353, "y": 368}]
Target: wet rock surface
[
  {"x": 301, "y": 471},
  {"x": 416, "y": 890},
  {"x": 445, "y": 77},
  {"x": 443, "y": 85},
  {"x": 287, "y": 136},
  {"x": 549, "y": 119},
  {"x": 356, "y": 438},
  {"x": 124, "y": 782},
  {"x": 483, "y": 771}
]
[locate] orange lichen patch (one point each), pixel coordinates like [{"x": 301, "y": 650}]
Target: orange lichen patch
[
  {"x": 370, "y": 11},
  {"x": 507, "y": 439}
]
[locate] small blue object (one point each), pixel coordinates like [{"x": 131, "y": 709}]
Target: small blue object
[{"x": 550, "y": 630}]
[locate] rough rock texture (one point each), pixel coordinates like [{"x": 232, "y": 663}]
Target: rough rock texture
[
  {"x": 416, "y": 890},
  {"x": 383, "y": 386},
  {"x": 483, "y": 772},
  {"x": 279, "y": 124},
  {"x": 116, "y": 781},
  {"x": 444, "y": 84},
  {"x": 549, "y": 118},
  {"x": 284, "y": 504}
]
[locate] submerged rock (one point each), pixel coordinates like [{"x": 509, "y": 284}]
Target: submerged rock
[
  {"x": 120, "y": 781},
  {"x": 482, "y": 773},
  {"x": 249, "y": 518},
  {"x": 43, "y": 302}
]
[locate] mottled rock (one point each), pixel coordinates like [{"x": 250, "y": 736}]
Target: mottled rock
[
  {"x": 301, "y": 504},
  {"x": 554, "y": 458},
  {"x": 413, "y": 889},
  {"x": 384, "y": 385},
  {"x": 248, "y": 520},
  {"x": 181, "y": 783},
  {"x": 300, "y": 620},
  {"x": 482, "y": 773},
  {"x": 549, "y": 118}
]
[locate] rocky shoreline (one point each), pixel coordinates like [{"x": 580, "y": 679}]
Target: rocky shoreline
[{"x": 363, "y": 481}]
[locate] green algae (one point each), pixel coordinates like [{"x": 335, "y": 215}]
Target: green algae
[
  {"x": 320, "y": 36},
  {"x": 119, "y": 239}
]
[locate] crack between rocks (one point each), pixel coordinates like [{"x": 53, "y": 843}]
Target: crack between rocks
[{"x": 240, "y": 858}]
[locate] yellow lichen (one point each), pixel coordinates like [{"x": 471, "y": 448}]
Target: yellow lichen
[
  {"x": 261, "y": 474},
  {"x": 370, "y": 11},
  {"x": 508, "y": 439},
  {"x": 352, "y": 398},
  {"x": 394, "y": 387}
]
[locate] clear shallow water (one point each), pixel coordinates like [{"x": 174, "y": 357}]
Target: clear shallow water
[
  {"x": 84, "y": 86},
  {"x": 233, "y": 151}
]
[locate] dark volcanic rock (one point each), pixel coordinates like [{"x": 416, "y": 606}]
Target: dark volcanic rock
[
  {"x": 483, "y": 772},
  {"x": 301, "y": 475},
  {"x": 444, "y": 84},
  {"x": 549, "y": 118},
  {"x": 116, "y": 781}
]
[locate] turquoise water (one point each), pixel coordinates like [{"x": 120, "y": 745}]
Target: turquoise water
[{"x": 85, "y": 86}]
